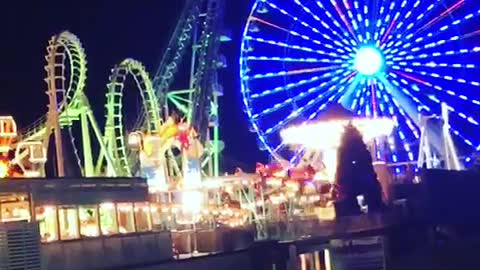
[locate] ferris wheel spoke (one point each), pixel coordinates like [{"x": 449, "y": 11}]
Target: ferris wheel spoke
[
  {"x": 359, "y": 99},
  {"x": 348, "y": 24},
  {"x": 344, "y": 39},
  {"x": 396, "y": 23},
  {"x": 336, "y": 98},
  {"x": 462, "y": 115},
  {"x": 464, "y": 139},
  {"x": 399, "y": 30},
  {"x": 397, "y": 87},
  {"x": 292, "y": 60},
  {"x": 351, "y": 96},
  {"x": 333, "y": 93},
  {"x": 296, "y": 98},
  {"x": 371, "y": 93},
  {"x": 294, "y": 72},
  {"x": 381, "y": 16},
  {"x": 395, "y": 108},
  {"x": 293, "y": 85},
  {"x": 410, "y": 66},
  {"x": 327, "y": 41},
  {"x": 348, "y": 37},
  {"x": 410, "y": 27},
  {"x": 403, "y": 45},
  {"x": 356, "y": 21},
  {"x": 408, "y": 104},
  {"x": 406, "y": 71},
  {"x": 439, "y": 88},
  {"x": 444, "y": 14},
  {"x": 442, "y": 42},
  {"x": 449, "y": 53},
  {"x": 402, "y": 36},
  {"x": 392, "y": 112},
  {"x": 296, "y": 47},
  {"x": 314, "y": 42},
  {"x": 389, "y": 23}
]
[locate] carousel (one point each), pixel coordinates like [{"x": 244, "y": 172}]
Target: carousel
[{"x": 305, "y": 188}]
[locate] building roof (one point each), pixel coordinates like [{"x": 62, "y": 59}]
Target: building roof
[{"x": 78, "y": 190}]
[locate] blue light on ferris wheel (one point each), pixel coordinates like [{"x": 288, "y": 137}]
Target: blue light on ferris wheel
[
  {"x": 390, "y": 59},
  {"x": 368, "y": 61}
]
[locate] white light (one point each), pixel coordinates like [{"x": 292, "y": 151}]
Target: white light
[
  {"x": 107, "y": 206},
  {"x": 192, "y": 202},
  {"x": 326, "y": 135},
  {"x": 368, "y": 61}
]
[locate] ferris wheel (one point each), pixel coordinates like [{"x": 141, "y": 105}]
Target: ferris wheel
[{"x": 392, "y": 59}]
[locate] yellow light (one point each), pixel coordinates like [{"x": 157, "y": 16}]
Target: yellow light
[
  {"x": 326, "y": 135},
  {"x": 214, "y": 183},
  {"x": 330, "y": 161},
  {"x": 3, "y": 169},
  {"x": 135, "y": 140},
  {"x": 192, "y": 201},
  {"x": 107, "y": 206},
  {"x": 292, "y": 185},
  {"x": 274, "y": 182}
]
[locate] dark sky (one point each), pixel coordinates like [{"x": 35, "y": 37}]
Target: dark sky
[{"x": 110, "y": 31}]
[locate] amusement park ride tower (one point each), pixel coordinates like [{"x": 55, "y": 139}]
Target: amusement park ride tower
[
  {"x": 200, "y": 28},
  {"x": 194, "y": 109}
]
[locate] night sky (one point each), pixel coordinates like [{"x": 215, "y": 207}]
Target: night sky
[{"x": 111, "y": 31}]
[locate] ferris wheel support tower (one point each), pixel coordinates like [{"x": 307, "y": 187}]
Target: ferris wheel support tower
[{"x": 425, "y": 155}]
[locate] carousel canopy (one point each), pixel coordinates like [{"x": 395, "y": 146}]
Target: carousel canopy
[{"x": 325, "y": 131}]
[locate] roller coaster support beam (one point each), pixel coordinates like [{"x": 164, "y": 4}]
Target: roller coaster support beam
[{"x": 53, "y": 115}]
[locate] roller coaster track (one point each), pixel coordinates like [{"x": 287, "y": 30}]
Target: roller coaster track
[
  {"x": 173, "y": 55},
  {"x": 65, "y": 46},
  {"x": 114, "y": 137},
  {"x": 66, "y": 78},
  {"x": 205, "y": 77},
  {"x": 178, "y": 46},
  {"x": 197, "y": 32},
  {"x": 197, "y": 28}
]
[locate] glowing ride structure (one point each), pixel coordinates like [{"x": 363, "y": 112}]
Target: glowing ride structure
[
  {"x": 175, "y": 142},
  {"x": 322, "y": 138},
  {"x": 395, "y": 59},
  {"x": 368, "y": 61}
]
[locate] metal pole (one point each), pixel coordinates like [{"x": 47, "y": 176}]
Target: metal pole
[
  {"x": 216, "y": 137},
  {"x": 87, "y": 150},
  {"x": 53, "y": 119}
]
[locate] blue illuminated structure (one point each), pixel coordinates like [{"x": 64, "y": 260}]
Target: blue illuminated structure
[
  {"x": 368, "y": 61},
  {"x": 299, "y": 56}
]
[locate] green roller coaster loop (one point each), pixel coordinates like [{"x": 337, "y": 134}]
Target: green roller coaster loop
[
  {"x": 66, "y": 79},
  {"x": 115, "y": 138},
  {"x": 71, "y": 103}
]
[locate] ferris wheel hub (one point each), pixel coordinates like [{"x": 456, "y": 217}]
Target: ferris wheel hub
[{"x": 369, "y": 61}]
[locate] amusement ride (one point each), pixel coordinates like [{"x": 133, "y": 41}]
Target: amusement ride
[
  {"x": 396, "y": 59},
  {"x": 403, "y": 72}
]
